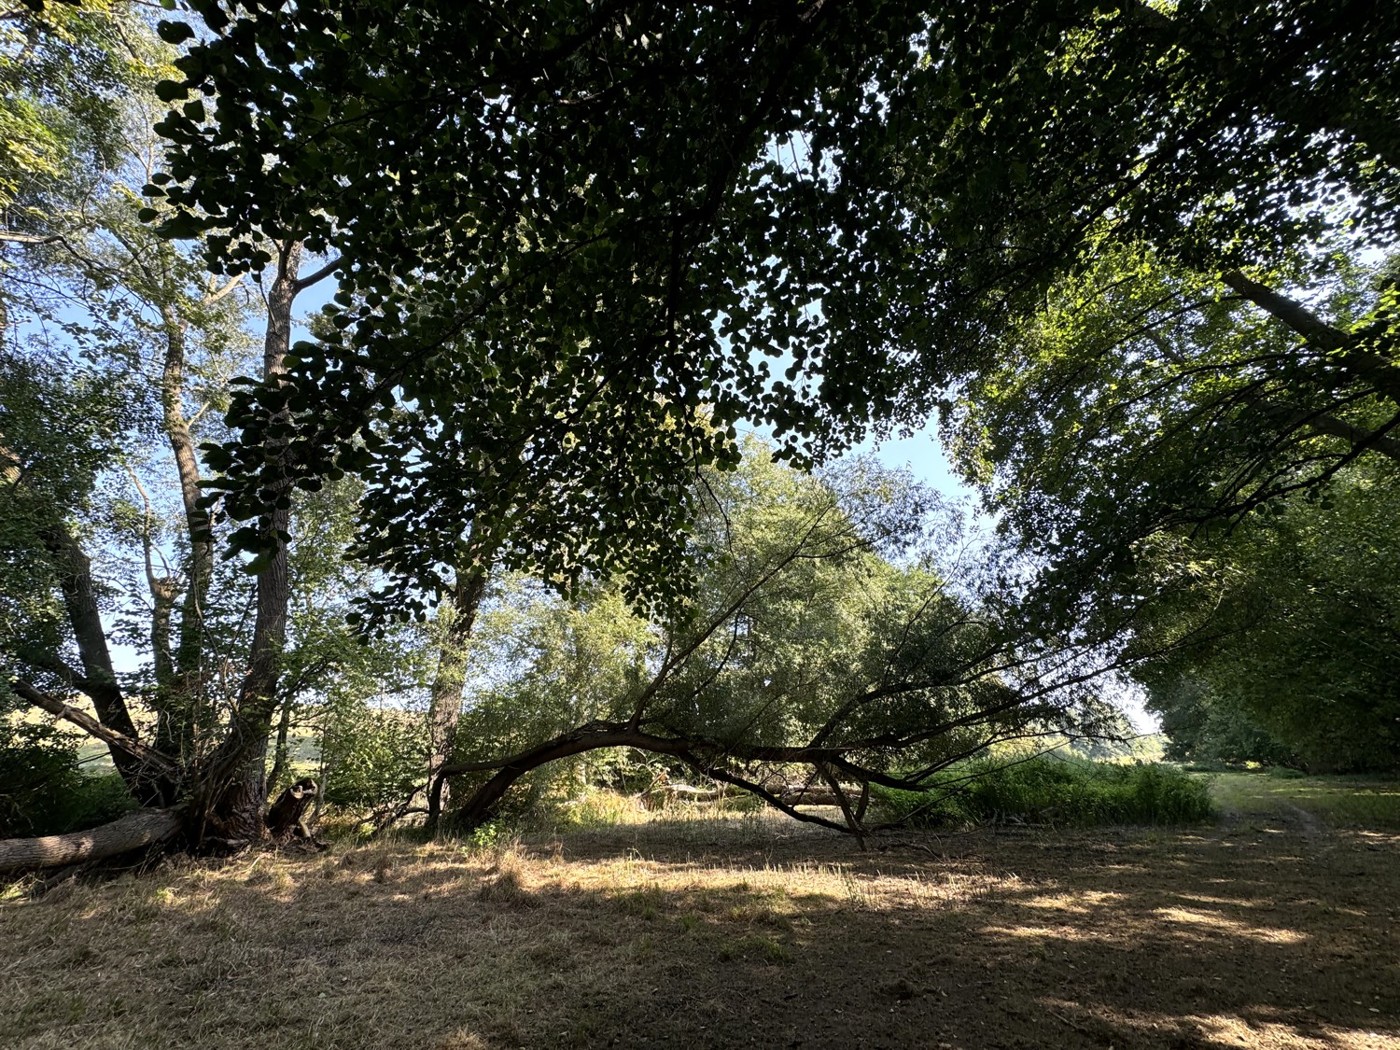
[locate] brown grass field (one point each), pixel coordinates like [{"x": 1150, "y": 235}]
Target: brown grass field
[{"x": 1275, "y": 928}]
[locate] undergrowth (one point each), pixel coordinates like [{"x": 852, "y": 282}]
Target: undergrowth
[{"x": 1051, "y": 790}]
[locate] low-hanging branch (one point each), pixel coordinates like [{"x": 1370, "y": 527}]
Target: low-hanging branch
[
  {"x": 724, "y": 761},
  {"x": 143, "y": 753}
]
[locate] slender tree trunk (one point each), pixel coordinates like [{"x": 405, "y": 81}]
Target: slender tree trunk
[
  {"x": 187, "y": 685},
  {"x": 99, "y": 678},
  {"x": 237, "y": 789},
  {"x": 281, "y": 752},
  {"x": 445, "y": 703}
]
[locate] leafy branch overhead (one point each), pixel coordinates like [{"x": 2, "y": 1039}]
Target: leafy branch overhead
[{"x": 577, "y": 243}]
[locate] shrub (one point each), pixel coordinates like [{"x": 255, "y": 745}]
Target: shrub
[
  {"x": 43, "y": 789},
  {"x": 373, "y": 758},
  {"x": 1052, "y": 790}
]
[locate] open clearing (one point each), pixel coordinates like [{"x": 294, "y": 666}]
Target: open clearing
[{"x": 1275, "y": 928}]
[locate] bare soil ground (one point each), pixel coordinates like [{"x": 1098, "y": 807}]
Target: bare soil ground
[{"x": 1268, "y": 930}]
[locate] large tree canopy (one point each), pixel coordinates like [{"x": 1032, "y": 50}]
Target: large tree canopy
[
  {"x": 1280, "y": 639},
  {"x": 578, "y": 244},
  {"x": 556, "y": 229},
  {"x": 1143, "y": 399},
  {"x": 578, "y": 241}
]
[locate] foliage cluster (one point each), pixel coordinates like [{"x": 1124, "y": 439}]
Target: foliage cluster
[
  {"x": 44, "y": 789},
  {"x": 1281, "y": 637},
  {"x": 1053, "y": 790}
]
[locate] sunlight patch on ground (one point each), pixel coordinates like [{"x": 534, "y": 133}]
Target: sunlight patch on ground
[
  {"x": 1216, "y": 921},
  {"x": 1258, "y": 1028},
  {"x": 1228, "y": 902},
  {"x": 1075, "y": 903},
  {"x": 1231, "y": 1031},
  {"x": 1060, "y": 933}
]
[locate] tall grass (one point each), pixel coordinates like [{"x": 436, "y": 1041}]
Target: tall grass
[{"x": 1052, "y": 790}]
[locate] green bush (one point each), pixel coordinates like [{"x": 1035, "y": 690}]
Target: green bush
[
  {"x": 43, "y": 789},
  {"x": 373, "y": 757},
  {"x": 1051, "y": 790}
]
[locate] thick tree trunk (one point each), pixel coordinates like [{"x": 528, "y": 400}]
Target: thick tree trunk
[
  {"x": 197, "y": 521},
  {"x": 709, "y": 758},
  {"x": 142, "y": 829},
  {"x": 445, "y": 703}
]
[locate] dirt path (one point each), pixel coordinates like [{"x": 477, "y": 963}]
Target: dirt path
[{"x": 1282, "y": 815}]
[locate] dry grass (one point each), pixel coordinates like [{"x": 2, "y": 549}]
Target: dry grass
[{"x": 728, "y": 932}]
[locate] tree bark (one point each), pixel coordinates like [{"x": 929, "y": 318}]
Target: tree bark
[
  {"x": 183, "y": 683},
  {"x": 144, "y": 828},
  {"x": 1292, "y": 313},
  {"x": 99, "y": 680},
  {"x": 281, "y": 752},
  {"x": 693, "y": 751},
  {"x": 1356, "y": 360},
  {"x": 287, "y": 817},
  {"x": 132, "y": 748},
  {"x": 480, "y": 806},
  {"x": 445, "y": 703},
  {"x": 236, "y": 787}
]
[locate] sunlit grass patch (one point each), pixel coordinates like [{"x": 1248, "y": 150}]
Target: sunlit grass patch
[
  {"x": 1343, "y": 801},
  {"x": 708, "y": 933}
]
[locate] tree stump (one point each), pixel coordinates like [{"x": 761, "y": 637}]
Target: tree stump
[{"x": 287, "y": 817}]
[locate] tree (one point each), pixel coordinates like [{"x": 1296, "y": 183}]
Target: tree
[
  {"x": 1178, "y": 464},
  {"x": 576, "y": 243},
  {"x": 1143, "y": 399},
  {"x": 66, "y": 71},
  {"x": 1290, "y": 630},
  {"x": 807, "y": 660},
  {"x": 1205, "y": 727},
  {"x": 117, "y": 339},
  {"x": 569, "y": 230}
]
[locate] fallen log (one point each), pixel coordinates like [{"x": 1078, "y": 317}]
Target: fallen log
[
  {"x": 817, "y": 796},
  {"x": 145, "y": 827}
]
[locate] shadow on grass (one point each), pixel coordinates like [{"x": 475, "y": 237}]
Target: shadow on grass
[{"x": 724, "y": 936}]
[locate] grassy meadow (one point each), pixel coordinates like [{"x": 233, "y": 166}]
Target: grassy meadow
[{"x": 1274, "y": 926}]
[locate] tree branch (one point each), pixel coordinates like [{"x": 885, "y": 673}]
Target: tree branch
[
  {"x": 302, "y": 283},
  {"x": 1291, "y": 312},
  {"x": 147, "y": 755}
]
